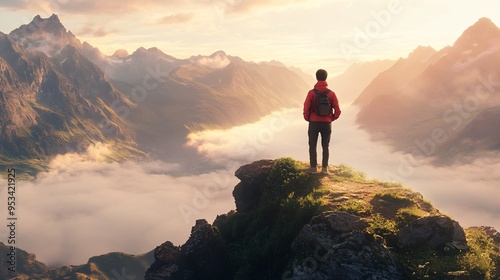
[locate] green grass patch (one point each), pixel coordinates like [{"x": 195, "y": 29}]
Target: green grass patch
[
  {"x": 482, "y": 256},
  {"x": 404, "y": 216},
  {"x": 386, "y": 184},
  {"x": 349, "y": 173},
  {"x": 395, "y": 197},
  {"x": 356, "y": 207},
  {"x": 381, "y": 226},
  {"x": 429, "y": 264}
]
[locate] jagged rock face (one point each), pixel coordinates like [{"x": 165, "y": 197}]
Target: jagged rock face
[
  {"x": 334, "y": 246},
  {"x": 433, "y": 232},
  {"x": 165, "y": 262},
  {"x": 253, "y": 177},
  {"x": 203, "y": 256}
]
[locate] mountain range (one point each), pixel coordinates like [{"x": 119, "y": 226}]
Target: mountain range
[
  {"x": 59, "y": 95},
  {"x": 55, "y": 105},
  {"x": 441, "y": 104}
]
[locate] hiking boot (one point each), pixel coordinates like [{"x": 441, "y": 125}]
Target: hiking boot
[
  {"x": 312, "y": 169},
  {"x": 324, "y": 170}
]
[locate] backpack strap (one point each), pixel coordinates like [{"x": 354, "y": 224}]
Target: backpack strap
[{"x": 318, "y": 92}]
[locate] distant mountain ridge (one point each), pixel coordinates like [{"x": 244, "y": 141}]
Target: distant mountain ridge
[
  {"x": 426, "y": 104},
  {"x": 145, "y": 102},
  {"x": 351, "y": 83},
  {"x": 107, "y": 266}
]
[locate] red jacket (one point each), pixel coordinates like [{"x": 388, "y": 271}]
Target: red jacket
[{"x": 310, "y": 104}]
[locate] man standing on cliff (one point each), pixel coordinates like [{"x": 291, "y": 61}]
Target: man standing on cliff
[{"x": 321, "y": 108}]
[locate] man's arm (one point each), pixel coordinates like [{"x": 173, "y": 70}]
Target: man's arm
[{"x": 336, "y": 107}]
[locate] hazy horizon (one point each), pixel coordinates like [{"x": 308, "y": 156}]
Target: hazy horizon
[
  {"x": 81, "y": 203},
  {"x": 330, "y": 34}
]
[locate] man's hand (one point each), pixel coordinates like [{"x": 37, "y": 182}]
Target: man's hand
[{"x": 336, "y": 116}]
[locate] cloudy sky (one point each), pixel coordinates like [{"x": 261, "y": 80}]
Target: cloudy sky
[{"x": 308, "y": 34}]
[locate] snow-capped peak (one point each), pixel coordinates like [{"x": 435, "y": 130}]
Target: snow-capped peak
[{"x": 45, "y": 35}]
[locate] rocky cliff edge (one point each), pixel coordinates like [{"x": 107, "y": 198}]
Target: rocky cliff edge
[{"x": 289, "y": 224}]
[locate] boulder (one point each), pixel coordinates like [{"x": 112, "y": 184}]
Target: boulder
[
  {"x": 432, "y": 232},
  {"x": 334, "y": 245}
]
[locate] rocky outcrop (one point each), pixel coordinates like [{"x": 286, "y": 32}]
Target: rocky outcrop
[
  {"x": 247, "y": 193},
  {"x": 335, "y": 230},
  {"x": 165, "y": 262},
  {"x": 336, "y": 241},
  {"x": 334, "y": 246},
  {"x": 203, "y": 256},
  {"x": 433, "y": 232},
  {"x": 355, "y": 255}
]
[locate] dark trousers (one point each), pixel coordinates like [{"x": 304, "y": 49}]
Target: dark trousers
[{"x": 325, "y": 129}]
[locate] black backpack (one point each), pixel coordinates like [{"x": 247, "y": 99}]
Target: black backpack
[{"x": 323, "y": 106}]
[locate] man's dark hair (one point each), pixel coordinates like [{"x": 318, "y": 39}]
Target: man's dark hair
[{"x": 321, "y": 75}]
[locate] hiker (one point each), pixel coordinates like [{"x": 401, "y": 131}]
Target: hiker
[{"x": 318, "y": 112}]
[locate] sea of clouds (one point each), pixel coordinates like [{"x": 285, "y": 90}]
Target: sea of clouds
[{"x": 84, "y": 206}]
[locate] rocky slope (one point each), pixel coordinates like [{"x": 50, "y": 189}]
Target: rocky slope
[
  {"x": 53, "y": 106},
  {"x": 351, "y": 83},
  {"x": 292, "y": 225}
]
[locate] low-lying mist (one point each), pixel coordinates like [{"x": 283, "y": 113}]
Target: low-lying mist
[
  {"x": 84, "y": 207},
  {"x": 468, "y": 192}
]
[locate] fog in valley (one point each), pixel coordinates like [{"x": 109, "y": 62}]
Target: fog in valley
[{"x": 83, "y": 206}]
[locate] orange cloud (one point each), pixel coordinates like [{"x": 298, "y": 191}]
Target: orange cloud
[
  {"x": 129, "y": 6},
  {"x": 243, "y": 6},
  {"x": 89, "y": 6},
  {"x": 177, "y": 18},
  {"x": 95, "y": 31}
]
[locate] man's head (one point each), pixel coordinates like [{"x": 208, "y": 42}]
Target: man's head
[{"x": 321, "y": 75}]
